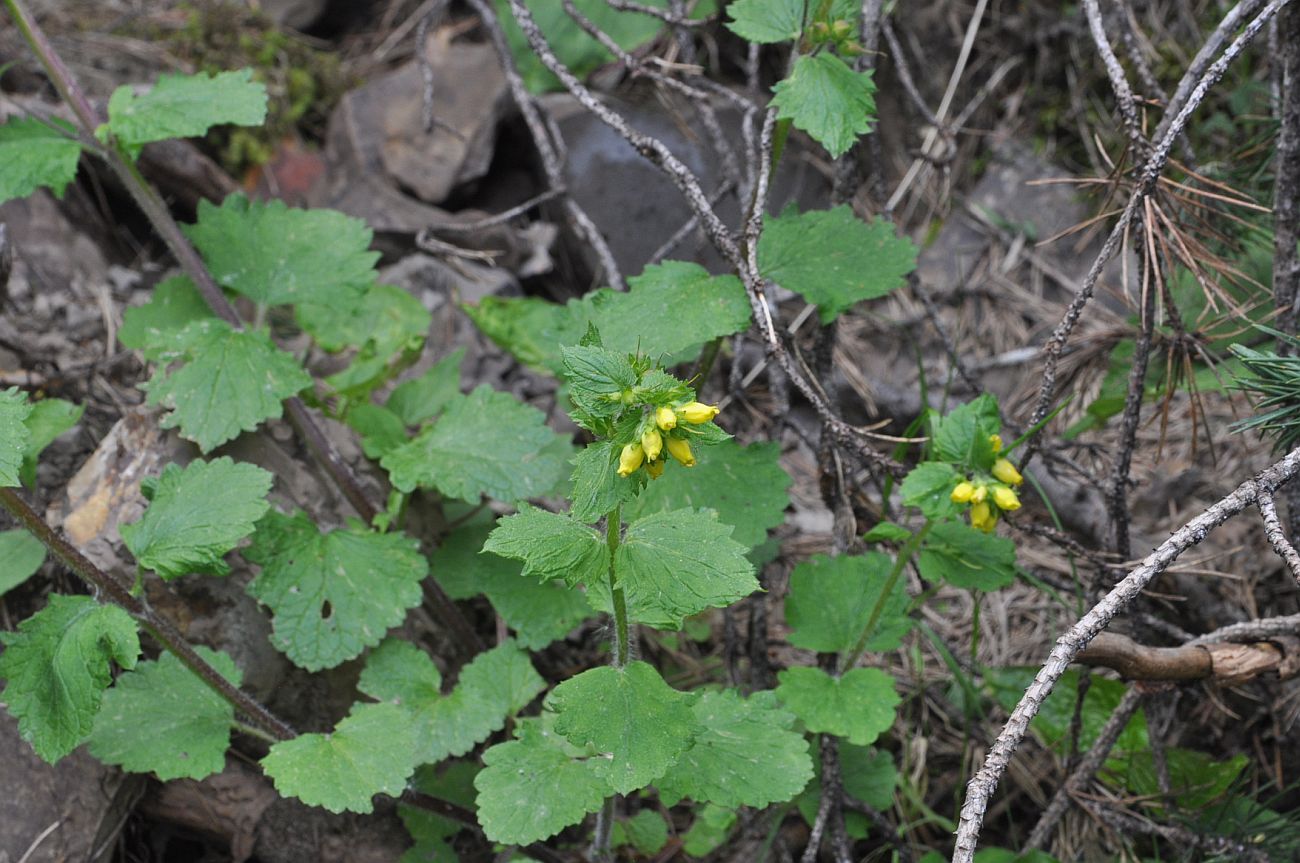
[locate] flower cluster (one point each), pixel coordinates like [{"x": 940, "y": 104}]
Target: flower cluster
[
  {"x": 660, "y": 436},
  {"x": 990, "y": 496}
]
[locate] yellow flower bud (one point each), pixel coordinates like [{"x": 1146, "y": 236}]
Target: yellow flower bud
[
  {"x": 681, "y": 450},
  {"x": 1005, "y": 498},
  {"x": 655, "y": 469},
  {"x": 630, "y": 459},
  {"x": 697, "y": 412},
  {"x": 841, "y": 29},
  {"x": 665, "y": 418},
  {"x": 962, "y": 493},
  {"x": 983, "y": 517},
  {"x": 653, "y": 444},
  {"x": 980, "y": 493},
  {"x": 995, "y": 441},
  {"x": 1006, "y": 472}
]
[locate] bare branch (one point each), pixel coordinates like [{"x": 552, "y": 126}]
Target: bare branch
[
  {"x": 1276, "y": 536},
  {"x": 982, "y": 785}
]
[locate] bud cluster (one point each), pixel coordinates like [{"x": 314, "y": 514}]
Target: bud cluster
[
  {"x": 990, "y": 495},
  {"x": 838, "y": 33},
  {"x": 659, "y": 434}
]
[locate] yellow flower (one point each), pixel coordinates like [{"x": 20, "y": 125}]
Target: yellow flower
[
  {"x": 995, "y": 441},
  {"x": 1005, "y": 498},
  {"x": 653, "y": 444},
  {"x": 983, "y": 517},
  {"x": 630, "y": 459},
  {"x": 980, "y": 493},
  {"x": 962, "y": 493},
  {"x": 681, "y": 450},
  {"x": 665, "y": 418},
  {"x": 1006, "y": 472},
  {"x": 697, "y": 412},
  {"x": 655, "y": 469}
]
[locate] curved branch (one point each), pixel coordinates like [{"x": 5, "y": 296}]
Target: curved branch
[{"x": 981, "y": 787}]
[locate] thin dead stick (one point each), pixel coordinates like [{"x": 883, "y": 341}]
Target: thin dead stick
[
  {"x": 1150, "y": 176},
  {"x": 1179, "y": 837},
  {"x": 1286, "y": 191},
  {"x": 1251, "y": 630},
  {"x": 981, "y": 787},
  {"x": 932, "y": 135},
  {"x": 1276, "y": 537},
  {"x": 1115, "y": 72},
  {"x": 1087, "y": 768},
  {"x": 1197, "y": 69},
  {"x": 552, "y": 163},
  {"x": 110, "y": 589}
]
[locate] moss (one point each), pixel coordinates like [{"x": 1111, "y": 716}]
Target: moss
[{"x": 303, "y": 83}]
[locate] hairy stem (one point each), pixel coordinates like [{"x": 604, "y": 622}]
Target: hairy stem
[
  {"x": 162, "y": 629},
  {"x": 613, "y": 528}
]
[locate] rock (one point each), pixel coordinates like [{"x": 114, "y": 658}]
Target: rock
[
  {"x": 379, "y": 128},
  {"x": 52, "y": 813},
  {"x": 634, "y": 203}
]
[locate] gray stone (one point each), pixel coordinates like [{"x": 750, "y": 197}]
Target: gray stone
[
  {"x": 380, "y": 127},
  {"x": 634, "y": 203}
]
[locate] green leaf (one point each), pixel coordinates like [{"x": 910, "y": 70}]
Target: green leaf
[
  {"x": 745, "y": 485},
  {"x": 828, "y": 100},
  {"x": 869, "y": 775},
  {"x": 700, "y": 306},
  {"x": 746, "y": 754},
  {"x": 532, "y": 788},
  {"x": 387, "y": 327},
  {"x": 831, "y": 600},
  {"x": 858, "y": 706},
  {"x": 21, "y": 555},
  {"x": 929, "y": 486},
  {"x": 497, "y": 684},
  {"x": 56, "y": 668},
  {"x": 597, "y": 487},
  {"x": 228, "y": 382},
  {"x": 672, "y": 565},
  {"x": 14, "y": 410},
  {"x": 598, "y": 378},
  {"x": 35, "y": 154},
  {"x": 962, "y": 436},
  {"x": 833, "y": 258},
  {"x": 628, "y": 715},
  {"x": 186, "y": 106},
  {"x": 575, "y": 49},
  {"x": 645, "y": 831},
  {"x": 487, "y": 443},
  {"x": 423, "y": 398},
  {"x": 967, "y": 558},
  {"x": 275, "y": 254},
  {"x": 152, "y": 327},
  {"x": 454, "y": 783},
  {"x": 538, "y": 613},
  {"x": 49, "y": 419},
  {"x": 766, "y": 21},
  {"x": 693, "y": 305},
  {"x": 551, "y": 546},
  {"x": 333, "y": 594},
  {"x": 381, "y": 430},
  {"x": 196, "y": 515},
  {"x": 370, "y": 752},
  {"x": 163, "y": 719},
  {"x": 710, "y": 829},
  {"x": 887, "y": 531}
]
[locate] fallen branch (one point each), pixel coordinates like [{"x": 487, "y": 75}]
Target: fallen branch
[{"x": 981, "y": 787}]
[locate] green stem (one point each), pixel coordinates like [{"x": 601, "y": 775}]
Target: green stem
[
  {"x": 253, "y": 731},
  {"x": 905, "y": 556},
  {"x": 613, "y": 528}
]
